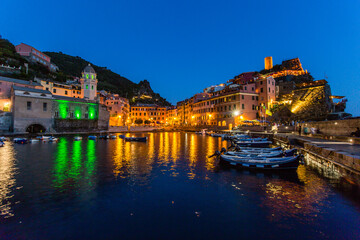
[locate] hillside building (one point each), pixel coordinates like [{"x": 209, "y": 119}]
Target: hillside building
[{"x": 36, "y": 56}]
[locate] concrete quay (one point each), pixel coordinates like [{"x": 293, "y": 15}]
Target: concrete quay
[{"x": 336, "y": 158}]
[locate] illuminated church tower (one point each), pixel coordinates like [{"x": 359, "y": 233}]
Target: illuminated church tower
[{"x": 89, "y": 83}]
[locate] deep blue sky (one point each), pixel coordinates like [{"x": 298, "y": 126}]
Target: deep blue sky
[{"x": 181, "y": 47}]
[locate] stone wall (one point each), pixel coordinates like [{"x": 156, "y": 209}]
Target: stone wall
[
  {"x": 104, "y": 117},
  {"x": 75, "y": 125},
  {"x": 334, "y": 127},
  {"x": 5, "y": 121}
]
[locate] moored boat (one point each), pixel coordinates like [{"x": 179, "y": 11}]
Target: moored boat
[
  {"x": 34, "y": 140},
  {"x": 92, "y": 137},
  {"x": 2, "y": 144},
  {"x": 281, "y": 163},
  {"x": 258, "y": 144},
  {"x": 77, "y": 138},
  {"x": 20, "y": 140},
  {"x": 113, "y": 137},
  {"x": 136, "y": 139}
]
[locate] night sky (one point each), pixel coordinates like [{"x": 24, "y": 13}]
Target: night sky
[{"x": 181, "y": 47}]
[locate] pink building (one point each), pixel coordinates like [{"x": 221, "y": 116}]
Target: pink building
[
  {"x": 5, "y": 90},
  {"x": 34, "y": 55}
]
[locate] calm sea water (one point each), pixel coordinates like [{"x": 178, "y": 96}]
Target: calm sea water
[{"x": 166, "y": 188}]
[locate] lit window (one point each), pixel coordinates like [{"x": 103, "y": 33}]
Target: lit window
[
  {"x": 87, "y": 75},
  {"x": 87, "y": 86}
]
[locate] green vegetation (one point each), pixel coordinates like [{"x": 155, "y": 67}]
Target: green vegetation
[{"x": 108, "y": 80}]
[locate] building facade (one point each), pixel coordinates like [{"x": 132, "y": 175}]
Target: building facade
[{"x": 34, "y": 55}]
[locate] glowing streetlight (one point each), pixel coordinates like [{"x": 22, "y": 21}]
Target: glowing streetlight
[{"x": 236, "y": 113}]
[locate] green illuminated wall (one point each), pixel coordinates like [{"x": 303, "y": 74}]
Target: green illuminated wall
[{"x": 80, "y": 110}]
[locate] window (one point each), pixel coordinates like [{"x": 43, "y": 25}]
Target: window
[
  {"x": 0, "y": 89},
  {"x": 47, "y": 89},
  {"x": 261, "y": 90},
  {"x": 242, "y": 96},
  {"x": 245, "y": 88},
  {"x": 242, "y": 106},
  {"x": 45, "y": 107},
  {"x": 47, "y": 82},
  {"x": 253, "y": 98},
  {"x": 252, "y": 89},
  {"x": 71, "y": 115},
  {"x": 92, "y": 76},
  {"x": 87, "y": 75},
  {"x": 87, "y": 86},
  {"x": 65, "y": 92},
  {"x": 92, "y": 87},
  {"x": 56, "y": 114},
  {"x": 28, "y": 105},
  {"x": 269, "y": 90},
  {"x": 86, "y": 115},
  {"x": 234, "y": 107},
  {"x": 260, "y": 82},
  {"x": 54, "y": 90}
]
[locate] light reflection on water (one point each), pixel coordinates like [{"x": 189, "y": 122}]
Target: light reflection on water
[
  {"x": 172, "y": 166},
  {"x": 7, "y": 179}
]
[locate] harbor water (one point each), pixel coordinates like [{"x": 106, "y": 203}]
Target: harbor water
[{"x": 166, "y": 188}]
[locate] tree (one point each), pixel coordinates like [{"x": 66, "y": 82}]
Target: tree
[{"x": 138, "y": 121}]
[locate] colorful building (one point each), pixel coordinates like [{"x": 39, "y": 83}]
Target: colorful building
[
  {"x": 34, "y": 55},
  {"x": 151, "y": 113}
]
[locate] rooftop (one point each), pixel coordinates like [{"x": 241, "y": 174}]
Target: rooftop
[
  {"x": 30, "y": 89},
  {"x": 19, "y": 81}
]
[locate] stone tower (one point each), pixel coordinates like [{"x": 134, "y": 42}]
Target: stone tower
[
  {"x": 89, "y": 83},
  {"x": 268, "y": 63}
]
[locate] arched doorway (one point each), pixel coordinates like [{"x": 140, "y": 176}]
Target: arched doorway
[
  {"x": 230, "y": 126},
  {"x": 224, "y": 123},
  {"x": 35, "y": 128}
]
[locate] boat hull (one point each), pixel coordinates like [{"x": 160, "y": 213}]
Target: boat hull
[{"x": 288, "y": 163}]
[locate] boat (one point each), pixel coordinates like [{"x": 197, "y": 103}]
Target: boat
[
  {"x": 53, "y": 139},
  {"x": 256, "y": 155},
  {"x": 104, "y": 137},
  {"x": 250, "y": 139},
  {"x": 2, "y": 143},
  {"x": 272, "y": 154},
  {"x": 34, "y": 140},
  {"x": 20, "y": 140},
  {"x": 258, "y": 144},
  {"x": 44, "y": 138},
  {"x": 77, "y": 138},
  {"x": 262, "y": 163},
  {"x": 259, "y": 149},
  {"x": 136, "y": 139},
  {"x": 92, "y": 137},
  {"x": 113, "y": 136},
  {"x": 122, "y": 136},
  {"x": 3, "y": 139}
]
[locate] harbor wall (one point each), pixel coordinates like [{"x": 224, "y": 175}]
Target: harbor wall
[
  {"x": 341, "y": 164},
  {"x": 334, "y": 127}
]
